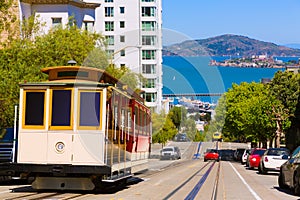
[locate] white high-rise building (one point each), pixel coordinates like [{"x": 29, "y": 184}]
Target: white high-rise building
[{"x": 133, "y": 30}]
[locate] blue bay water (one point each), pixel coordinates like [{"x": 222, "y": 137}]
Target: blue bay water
[{"x": 194, "y": 75}]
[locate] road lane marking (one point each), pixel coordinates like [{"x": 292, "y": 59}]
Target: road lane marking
[{"x": 245, "y": 183}]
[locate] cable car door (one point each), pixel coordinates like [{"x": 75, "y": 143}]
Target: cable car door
[{"x": 60, "y": 131}]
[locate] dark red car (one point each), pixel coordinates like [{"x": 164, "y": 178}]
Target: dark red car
[
  {"x": 254, "y": 157},
  {"x": 211, "y": 154}
]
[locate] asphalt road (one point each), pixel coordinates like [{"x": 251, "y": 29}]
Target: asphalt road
[{"x": 176, "y": 179}]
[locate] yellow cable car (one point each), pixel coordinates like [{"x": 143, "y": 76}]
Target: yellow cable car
[
  {"x": 79, "y": 129},
  {"x": 217, "y": 136}
]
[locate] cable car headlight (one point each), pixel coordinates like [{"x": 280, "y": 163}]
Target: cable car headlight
[{"x": 60, "y": 147}]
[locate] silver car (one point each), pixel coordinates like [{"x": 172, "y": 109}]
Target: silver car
[
  {"x": 170, "y": 152},
  {"x": 289, "y": 176}
]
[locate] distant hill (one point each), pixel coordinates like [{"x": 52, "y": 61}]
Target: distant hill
[{"x": 232, "y": 45}]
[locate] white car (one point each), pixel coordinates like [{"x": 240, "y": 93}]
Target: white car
[
  {"x": 245, "y": 156},
  {"x": 170, "y": 152},
  {"x": 272, "y": 159}
]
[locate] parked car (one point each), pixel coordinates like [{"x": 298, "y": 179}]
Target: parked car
[
  {"x": 245, "y": 155},
  {"x": 212, "y": 154},
  {"x": 238, "y": 154},
  {"x": 170, "y": 152},
  {"x": 289, "y": 176},
  {"x": 248, "y": 156},
  {"x": 226, "y": 154},
  {"x": 272, "y": 159},
  {"x": 254, "y": 158}
]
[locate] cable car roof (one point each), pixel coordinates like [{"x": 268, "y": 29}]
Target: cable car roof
[{"x": 79, "y": 73}]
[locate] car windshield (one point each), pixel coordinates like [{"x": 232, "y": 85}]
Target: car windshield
[
  {"x": 296, "y": 152},
  {"x": 259, "y": 152},
  {"x": 167, "y": 149},
  {"x": 213, "y": 151},
  {"x": 226, "y": 152},
  {"x": 277, "y": 152}
]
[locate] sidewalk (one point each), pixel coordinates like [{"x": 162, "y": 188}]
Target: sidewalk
[{"x": 155, "y": 151}]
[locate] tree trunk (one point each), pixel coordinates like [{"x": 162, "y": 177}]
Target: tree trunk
[{"x": 278, "y": 133}]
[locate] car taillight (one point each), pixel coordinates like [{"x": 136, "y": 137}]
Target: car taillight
[{"x": 266, "y": 159}]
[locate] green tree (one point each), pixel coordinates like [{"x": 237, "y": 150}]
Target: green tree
[
  {"x": 8, "y": 21},
  {"x": 126, "y": 76},
  {"x": 246, "y": 118},
  {"x": 63, "y": 44},
  {"x": 178, "y": 115},
  {"x": 158, "y": 120},
  {"x": 97, "y": 58},
  {"x": 189, "y": 127},
  {"x": 200, "y": 136},
  {"x": 217, "y": 124},
  {"x": 165, "y": 133},
  {"x": 22, "y": 60},
  {"x": 284, "y": 87}
]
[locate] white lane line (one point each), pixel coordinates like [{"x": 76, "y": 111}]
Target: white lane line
[{"x": 246, "y": 184}]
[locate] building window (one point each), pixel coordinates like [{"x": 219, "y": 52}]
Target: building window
[
  {"x": 149, "y": 26},
  {"x": 148, "y": 68},
  {"x": 150, "y": 83},
  {"x": 109, "y": 26},
  {"x": 109, "y": 52},
  {"x": 122, "y": 10},
  {"x": 122, "y": 38},
  {"x": 150, "y": 97},
  {"x": 148, "y": 40},
  {"x": 122, "y": 24},
  {"x": 148, "y": 11},
  {"x": 88, "y": 26},
  {"x": 110, "y": 39},
  {"x": 148, "y": 54},
  {"x": 109, "y": 11},
  {"x": 56, "y": 22},
  {"x": 110, "y": 1},
  {"x": 122, "y": 52},
  {"x": 122, "y": 66}
]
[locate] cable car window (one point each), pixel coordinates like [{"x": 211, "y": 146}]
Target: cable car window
[
  {"x": 89, "y": 109},
  {"x": 61, "y": 108},
  {"x": 34, "y": 109}
]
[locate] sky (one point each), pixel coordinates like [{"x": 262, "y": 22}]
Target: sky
[{"x": 276, "y": 21}]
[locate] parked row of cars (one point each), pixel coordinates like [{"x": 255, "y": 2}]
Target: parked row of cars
[
  {"x": 265, "y": 160},
  {"x": 277, "y": 160}
]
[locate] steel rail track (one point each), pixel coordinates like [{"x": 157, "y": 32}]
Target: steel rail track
[{"x": 216, "y": 184}]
